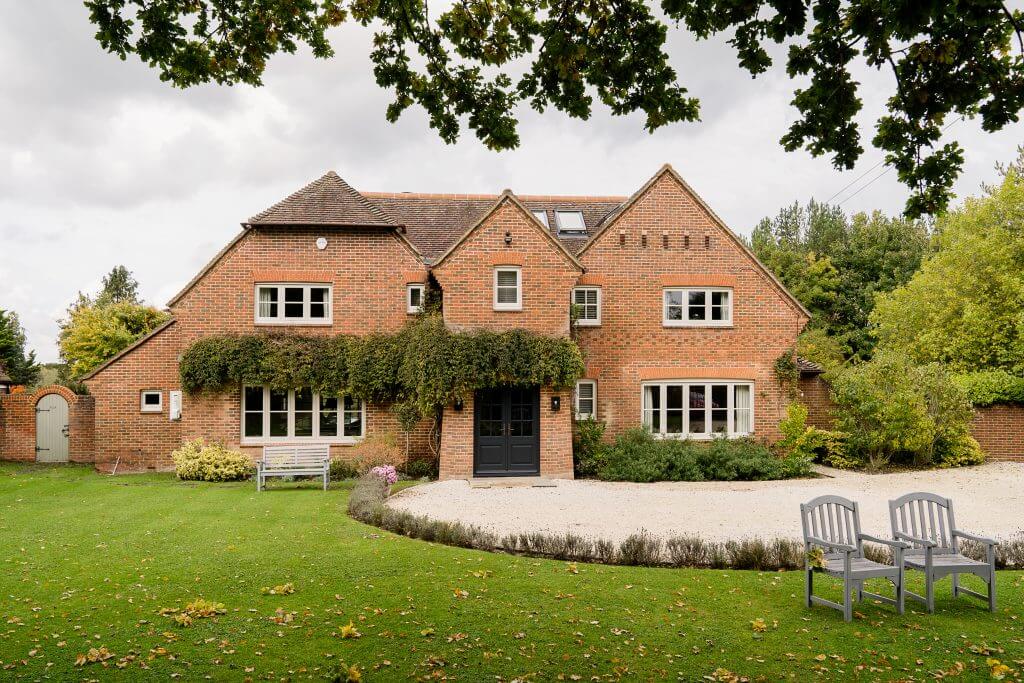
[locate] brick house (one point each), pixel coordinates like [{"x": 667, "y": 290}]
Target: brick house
[{"x": 679, "y": 323}]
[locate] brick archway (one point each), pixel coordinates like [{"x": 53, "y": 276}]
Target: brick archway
[{"x": 18, "y": 424}]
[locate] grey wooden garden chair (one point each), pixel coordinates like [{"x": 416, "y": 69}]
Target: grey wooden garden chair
[
  {"x": 926, "y": 520},
  {"x": 832, "y": 523}
]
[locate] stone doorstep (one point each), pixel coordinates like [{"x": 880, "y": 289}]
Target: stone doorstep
[{"x": 510, "y": 482}]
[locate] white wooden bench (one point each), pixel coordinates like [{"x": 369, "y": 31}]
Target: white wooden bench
[{"x": 289, "y": 461}]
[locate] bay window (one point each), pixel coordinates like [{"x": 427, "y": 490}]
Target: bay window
[
  {"x": 698, "y": 408},
  {"x": 299, "y": 415}
]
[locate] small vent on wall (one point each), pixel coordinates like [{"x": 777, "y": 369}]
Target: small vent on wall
[
  {"x": 664, "y": 240},
  {"x": 686, "y": 241},
  {"x": 643, "y": 238},
  {"x": 707, "y": 241}
]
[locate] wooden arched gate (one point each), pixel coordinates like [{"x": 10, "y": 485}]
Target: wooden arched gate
[{"x": 52, "y": 429}]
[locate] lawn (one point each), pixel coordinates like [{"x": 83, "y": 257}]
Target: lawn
[{"x": 89, "y": 561}]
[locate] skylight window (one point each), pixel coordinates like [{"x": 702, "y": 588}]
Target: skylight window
[
  {"x": 571, "y": 223},
  {"x": 542, "y": 216}
]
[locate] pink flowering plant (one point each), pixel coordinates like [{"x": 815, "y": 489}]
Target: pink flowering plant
[{"x": 387, "y": 474}]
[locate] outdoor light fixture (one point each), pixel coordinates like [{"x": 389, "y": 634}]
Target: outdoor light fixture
[
  {"x": 556, "y": 402},
  {"x": 508, "y": 237},
  {"x": 458, "y": 405}
]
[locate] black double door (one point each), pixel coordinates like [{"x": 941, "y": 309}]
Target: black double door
[{"x": 506, "y": 432}]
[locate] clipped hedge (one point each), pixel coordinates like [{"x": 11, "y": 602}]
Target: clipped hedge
[
  {"x": 424, "y": 365},
  {"x": 989, "y": 387}
]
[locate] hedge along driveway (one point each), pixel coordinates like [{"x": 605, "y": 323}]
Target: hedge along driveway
[
  {"x": 720, "y": 511},
  {"x": 89, "y": 560}
]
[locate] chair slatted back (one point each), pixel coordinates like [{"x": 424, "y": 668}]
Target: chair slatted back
[
  {"x": 295, "y": 456},
  {"x": 833, "y": 519},
  {"x": 925, "y": 515}
]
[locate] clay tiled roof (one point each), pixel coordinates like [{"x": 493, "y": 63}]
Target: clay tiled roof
[
  {"x": 808, "y": 368},
  {"x": 434, "y": 222},
  {"x": 328, "y": 200}
]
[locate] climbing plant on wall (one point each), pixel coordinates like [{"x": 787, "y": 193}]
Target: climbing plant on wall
[{"x": 424, "y": 365}]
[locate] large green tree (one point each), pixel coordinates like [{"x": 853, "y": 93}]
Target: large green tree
[
  {"x": 98, "y": 327},
  {"x": 965, "y": 307},
  {"x": 836, "y": 265},
  {"x": 19, "y": 365},
  {"x": 473, "y": 62}
]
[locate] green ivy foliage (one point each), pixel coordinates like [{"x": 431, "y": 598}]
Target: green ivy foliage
[
  {"x": 424, "y": 365},
  {"x": 990, "y": 387}
]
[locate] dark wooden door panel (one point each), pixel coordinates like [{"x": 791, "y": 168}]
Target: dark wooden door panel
[{"x": 506, "y": 430}]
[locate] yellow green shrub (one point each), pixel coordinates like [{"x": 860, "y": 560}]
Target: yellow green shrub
[{"x": 199, "y": 461}]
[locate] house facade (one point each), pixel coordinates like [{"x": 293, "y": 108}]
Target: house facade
[{"x": 679, "y": 324}]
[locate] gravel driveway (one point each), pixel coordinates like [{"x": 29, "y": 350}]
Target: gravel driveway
[{"x": 988, "y": 499}]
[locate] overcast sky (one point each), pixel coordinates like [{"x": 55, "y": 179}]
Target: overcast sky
[{"x": 102, "y": 164}]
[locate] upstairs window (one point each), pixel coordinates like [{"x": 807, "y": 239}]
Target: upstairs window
[
  {"x": 587, "y": 304},
  {"x": 541, "y": 215},
  {"x": 571, "y": 223},
  {"x": 508, "y": 295},
  {"x": 414, "y": 298},
  {"x": 293, "y": 304},
  {"x": 586, "y": 399},
  {"x": 707, "y": 307}
]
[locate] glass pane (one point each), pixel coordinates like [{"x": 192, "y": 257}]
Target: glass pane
[
  {"x": 508, "y": 278},
  {"x": 542, "y": 216},
  {"x": 719, "y": 395},
  {"x": 571, "y": 221},
  {"x": 674, "y": 397},
  {"x": 293, "y": 297},
  {"x": 303, "y": 399},
  {"x": 674, "y": 313},
  {"x": 741, "y": 400},
  {"x": 151, "y": 399},
  {"x": 508, "y": 295},
  {"x": 586, "y": 406},
  {"x": 328, "y": 423},
  {"x": 742, "y": 422},
  {"x": 268, "y": 302},
  {"x": 254, "y": 424},
  {"x": 318, "y": 294},
  {"x": 652, "y": 406},
  {"x": 279, "y": 424},
  {"x": 293, "y": 310},
  {"x": 317, "y": 310},
  {"x": 719, "y": 421},
  {"x": 674, "y": 422},
  {"x": 303, "y": 424},
  {"x": 293, "y": 294},
  {"x": 279, "y": 399},
  {"x": 353, "y": 419},
  {"x": 742, "y": 396},
  {"x": 674, "y": 297},
  {"x": 328, "y": 403},
  {"x": 719, "y": 305},
  {"x": 591, "y": 295},
  {"x": 585, "y": 390},
  {"x": 415, "y": 297},
  {"x": 696, "y": 306},
  {"x": 697, "y": 405},
  {"x": 254, "y": 398}
]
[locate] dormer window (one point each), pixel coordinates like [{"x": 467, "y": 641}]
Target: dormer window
[
  {"x": 571, "y": 223},
  {"x": 542, "y": 216}
]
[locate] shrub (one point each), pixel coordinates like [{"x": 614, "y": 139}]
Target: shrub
[
  {"x": 587, "y": 449},
  {"x": 638, "y": 456},
  {"x": 386, "y": 473},
  {"x": 342, "y": 469},
  {"x": 804, "y": 443},
  {"x": 199, "y": 461},
  {"x": 640, "y": 549},
  {"x": 990, "y": 387},
  {"x": 419, "y": 468},
  {"x": 893, "y": 410},
  {"x": 377, "y": 450},
  {"x": 961, "y": 451},
  {"x": 366, "y": 501}
]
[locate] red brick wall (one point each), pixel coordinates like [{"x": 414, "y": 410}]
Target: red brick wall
[
  {"x": 368, "y": 270},
  {"x": 813, "y": 393},
  {"x": 631, "y": 344},
  {"x": 467, "y": 276},
  {"x": 1000, "y": 431},
  {"x": 18, "y": 425}
]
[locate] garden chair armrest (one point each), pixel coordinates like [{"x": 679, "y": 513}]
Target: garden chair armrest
[
  {"x": 919, "y": 541},
  {"x": 813, "y": 540},
  {"x": 892, "y": 544},
  {"x": 973, "y": 537}
]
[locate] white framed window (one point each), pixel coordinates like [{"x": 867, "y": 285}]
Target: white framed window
[
  {"x": 298, "y": 415},
  {"x": 542, "y": 216},
  {"x": 293, "y": 304},
  {"x": 508, "y": 289},
  {"x": 571, "y": 223},
  {"x": 586, "y": 399},
  {"x": 698, "y": 409},
  {"x": 704, "y": 307},
  {"x": 587, "y": 301},
  {"x": 151, "y": 401},
  {"x": 414, "y": 298}
]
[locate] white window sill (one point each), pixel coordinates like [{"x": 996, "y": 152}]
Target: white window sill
[
  {"x": 297, "y": 441},
  {"x": 702, "y": 323},
  {"x": 294, "y": 323},
  {"x": 588, "y": 323},
  {"x": 702, "y": 437},
  {"x": 508, "y": 309},
  {"x": 151, "y": 411}
]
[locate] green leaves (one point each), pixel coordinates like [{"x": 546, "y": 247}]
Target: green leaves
[{"x": 423, "y": 366}]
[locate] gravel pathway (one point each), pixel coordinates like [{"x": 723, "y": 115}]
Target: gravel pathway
[{"x": 989, "y": 500}]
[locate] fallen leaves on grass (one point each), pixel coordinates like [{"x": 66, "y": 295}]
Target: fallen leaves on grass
[
  {"x": 94, "y": 656},
  {"x": 197, "y": 609},
  {"x": 759, "y": 625},
  {"x": 283, "y": 589},
  {"x": 350, "y": 631}
]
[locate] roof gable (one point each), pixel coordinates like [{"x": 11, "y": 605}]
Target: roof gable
[
  {"x": 667, "y": 170},
  {"x": 329, "y": 200},
  {"x": 508, "y": 197}
]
